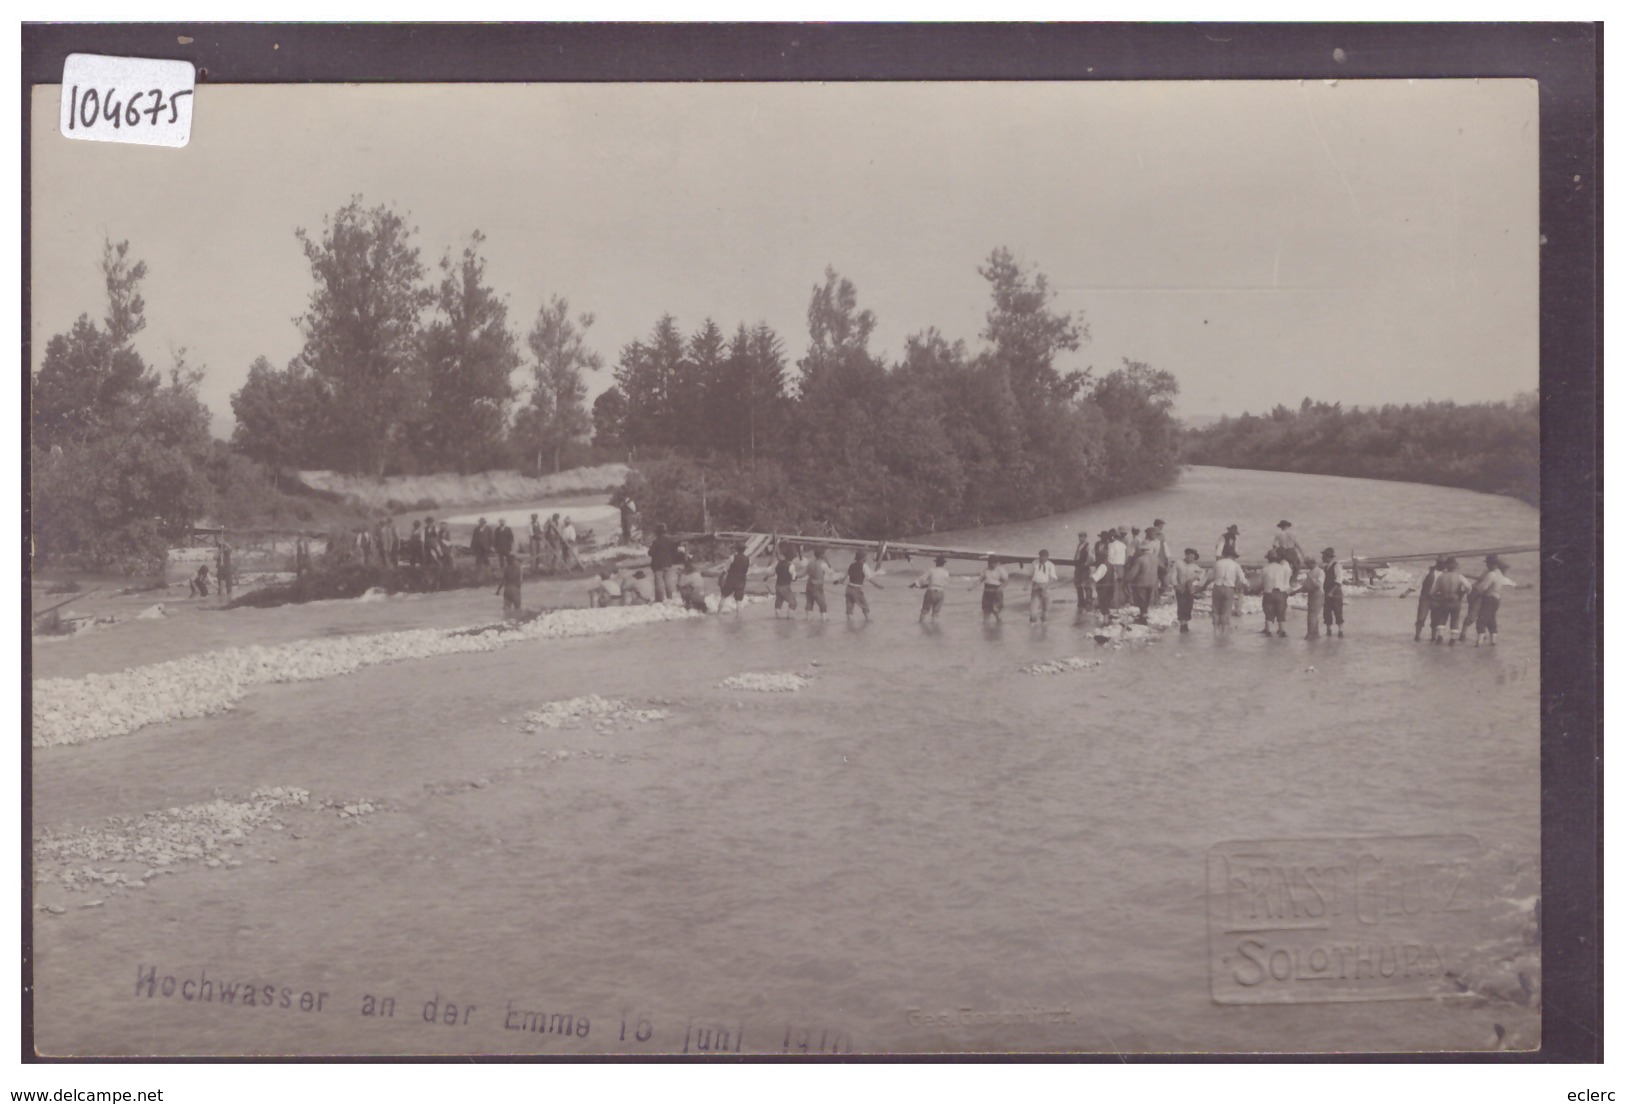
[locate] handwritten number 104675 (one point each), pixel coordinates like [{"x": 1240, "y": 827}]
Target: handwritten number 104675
[{"x": 96, "y": 107}]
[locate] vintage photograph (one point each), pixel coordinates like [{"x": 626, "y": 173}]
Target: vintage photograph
[{"x": 813, "y": 569}]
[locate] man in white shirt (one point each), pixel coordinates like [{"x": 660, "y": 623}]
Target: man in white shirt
[
  {"x": 1044, "y": 573},
  {"x": 1277, "y": 581},
  {"x": 1229, "y": 582},
  {"x": 992, "y": 582},
  {"x": 935, "y": 582},
  {"x": 1489, "y": 587},
  {"x": 1116, "y": 560}
]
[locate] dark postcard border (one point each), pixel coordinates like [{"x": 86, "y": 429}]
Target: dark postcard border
[{"x": 1566, "y": 60}]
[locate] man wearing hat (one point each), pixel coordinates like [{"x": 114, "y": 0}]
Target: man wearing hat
[
  {"x": 1422, "y": 596},
  {"x": 1116, "y": 563},
  {"x": 1488, "y": 588},
  {"x": 1286, "y": 546},
  {"x": 1227, "y": 545},
  {"x": 1083, "y": 562},
  {"x": 1334, "y": 591}
]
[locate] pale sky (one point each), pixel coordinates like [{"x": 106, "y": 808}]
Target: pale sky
[{"x": 1361, "y": 241}]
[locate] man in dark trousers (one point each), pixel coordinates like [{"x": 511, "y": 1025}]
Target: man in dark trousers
[
  {"x": 662, "y": 558},
  {"x": 502, "y": 541},
  {"x": 509, "y": 588},
  {"x": 1083, "y": 564},
  {"x": 223, "y": 575},
  {"x": 1334, "y": 591},
  {"x": 480, "y": 545}
]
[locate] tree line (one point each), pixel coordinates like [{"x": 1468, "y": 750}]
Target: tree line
[
  {"x": 399, "y": 373},
  {"x": 850, "y": 443},
  {"x": 1492, "y": 447},
  {"x": 120, "y": 454}
]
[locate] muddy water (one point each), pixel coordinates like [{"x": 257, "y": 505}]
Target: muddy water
[{"x": 924, "y": 850}]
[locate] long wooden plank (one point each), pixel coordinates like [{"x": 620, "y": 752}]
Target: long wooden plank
[{"x": 1510, "y": 550}]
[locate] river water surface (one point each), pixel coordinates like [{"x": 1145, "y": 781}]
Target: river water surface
[{"x": 924, "y": 850}]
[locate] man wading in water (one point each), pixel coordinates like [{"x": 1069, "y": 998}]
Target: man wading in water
[
  {"x": 733, "y": 582},
  {"x": 1188, "y": 579},
  {"x": 1334, "y": 591},
  {"x": 1044, "y": 573},
  {"x": 784, "y": 582},
  {"x": 1083, "y": 560},
  {"x": 1229, "y": 583},
  {"x": 992, "y": 583},
  {"x": 935, "y": 582},
  {"x": 819, "y": 572},
  {"x": 1277, "y": 581},
  {"x": 1424, "y": 595},
  {"x": 1489, "y": 588},
  {"x": 857, "y": 575},
  {"x": 1286, "y": 546}
]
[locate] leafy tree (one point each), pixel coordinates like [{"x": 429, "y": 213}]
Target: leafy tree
[
  {"x": 116, "y": 498},
  {"x": 1143, "y": 446},
  {"x": 92, "y": 376},
  {"x": 361, "y": 327},
  {"x": 609, "y": 418},
  {"x": 279, "y": 417},
  {"x": 557, "y": 414},
  {"x": 469, "y": 355},
  {"x": 1025, "y": 335}
]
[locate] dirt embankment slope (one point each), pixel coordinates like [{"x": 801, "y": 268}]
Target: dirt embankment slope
[{"x": 450, "y": 489}]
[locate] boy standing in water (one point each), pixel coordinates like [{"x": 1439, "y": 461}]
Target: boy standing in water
[
  {"x": 856, "y": 575},
  {"x": 1334, "y": 591},
  {"x": 784, "y": 592},
  {"x": 992, "y": 581},
  {"x": 1488, "y": 589},
  {"x": 818, "y": 573},
  {"x": 1044, "y": 573},
  {"x": 1188, "y": 579},
  {"x": 935, "y": 582}
]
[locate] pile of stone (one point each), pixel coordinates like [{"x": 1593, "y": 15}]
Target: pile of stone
[
  {"x": 96, "y": 706},
  {"x": 158, "y": 842},
  {"x": 603, "y": 714},
  {"x": 1061, "y": 666},
  {"x": 767, "y": 682}
]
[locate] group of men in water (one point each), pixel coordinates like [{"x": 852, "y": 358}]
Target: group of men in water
[
  {"x": 1439, "y": 601},
  {"x": 675, "y": 576},
  {"x": 1122, "y": 568},
  {"x": 1125, "y": 566}
]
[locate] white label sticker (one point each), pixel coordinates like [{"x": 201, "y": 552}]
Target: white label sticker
[{"x": 118, "y": 99}]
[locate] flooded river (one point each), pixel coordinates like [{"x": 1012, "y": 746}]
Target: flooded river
[{"x": 923, "y": 850}]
